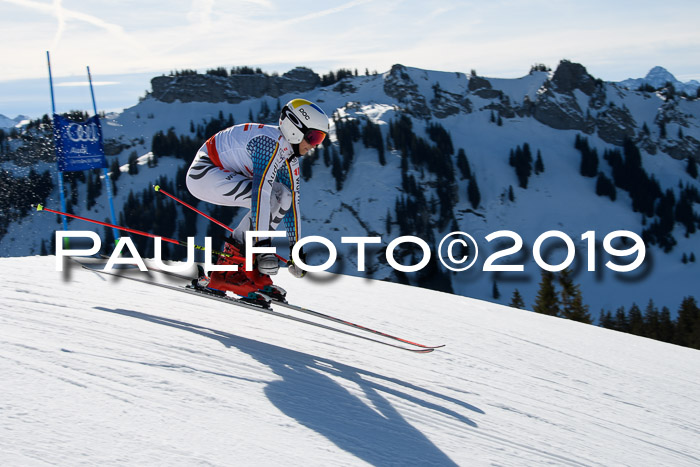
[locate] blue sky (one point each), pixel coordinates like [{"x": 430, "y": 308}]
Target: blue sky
[{"x": 127, "y": 42}]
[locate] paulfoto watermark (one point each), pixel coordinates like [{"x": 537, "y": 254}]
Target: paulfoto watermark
[{"x": 457, "y": 251}]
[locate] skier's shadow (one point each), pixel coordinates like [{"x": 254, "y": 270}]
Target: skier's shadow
[{"x": 306, "y": 392}]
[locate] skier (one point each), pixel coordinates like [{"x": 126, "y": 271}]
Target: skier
[{"x": 257, "y": 167}]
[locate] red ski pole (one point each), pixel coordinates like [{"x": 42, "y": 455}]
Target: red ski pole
[
  {"x": 160, "y": 190},
  {"x": 134, "y": 231}
]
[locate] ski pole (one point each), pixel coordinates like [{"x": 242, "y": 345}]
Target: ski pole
[
  {"x": 134, "y": 231},
  {"x": 160, "y": 190}
]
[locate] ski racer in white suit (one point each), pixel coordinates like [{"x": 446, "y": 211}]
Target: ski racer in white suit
[{"x": 257, "y": 167}]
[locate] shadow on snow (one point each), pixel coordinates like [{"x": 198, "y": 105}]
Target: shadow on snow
[{"x": 306, "y": 393}]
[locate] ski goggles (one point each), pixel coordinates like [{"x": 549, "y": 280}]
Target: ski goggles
[{"x": 314, "y": 137}]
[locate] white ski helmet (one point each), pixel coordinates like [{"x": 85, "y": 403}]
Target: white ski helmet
[{"x": 303, "y": 119}]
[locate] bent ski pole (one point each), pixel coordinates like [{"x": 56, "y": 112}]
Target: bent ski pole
[
  {"x": 134, "y": 231},
  {"x": 160, "y": 190}
]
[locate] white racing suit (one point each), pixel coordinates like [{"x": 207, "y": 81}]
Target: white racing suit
[{"x": 253, "y": 166}]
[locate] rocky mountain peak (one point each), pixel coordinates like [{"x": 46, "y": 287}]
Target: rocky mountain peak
[
  {"x": 569, "y": 76},
  {"x": 232, "y": 89}
]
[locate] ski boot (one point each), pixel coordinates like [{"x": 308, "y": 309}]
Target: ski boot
[
  {"x": 202, "y": 283},
  {"x": 242, "y": 283},
  {"x": 275, "y": 292},
  {"x": 257, "y": 299}
]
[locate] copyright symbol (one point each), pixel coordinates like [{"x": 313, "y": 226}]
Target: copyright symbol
[{"x": 459, "y": 250}]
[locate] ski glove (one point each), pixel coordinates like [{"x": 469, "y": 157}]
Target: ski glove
[
  {"x": 268, "y": 263},
  {"x": 295, "y": 270}
]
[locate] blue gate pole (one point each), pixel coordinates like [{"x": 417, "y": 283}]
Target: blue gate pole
[
  {"x": 60, "y": 173},
  {"x": 105, "y": 171}
]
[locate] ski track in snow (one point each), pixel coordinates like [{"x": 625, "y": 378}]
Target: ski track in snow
[{"x": 107, "y": 372}]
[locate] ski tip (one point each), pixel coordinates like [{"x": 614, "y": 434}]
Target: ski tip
[
  {"x": 156, "y": 187},
  {"x": 39, "y": 207},
  {"x": 428, "y": 349}
]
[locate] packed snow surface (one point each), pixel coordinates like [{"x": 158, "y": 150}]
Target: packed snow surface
[{"x": 98, "y": 371}]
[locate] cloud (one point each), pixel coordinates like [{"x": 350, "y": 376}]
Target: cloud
[
  {"x": 493, "y": 37},
  {"x": 322, "y": 13},
  {"x": 64, "y": 15}
]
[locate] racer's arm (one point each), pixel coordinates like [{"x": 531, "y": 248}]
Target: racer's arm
[
  {"x": 289, "y": 176},
  {"x": 267, "y": 160}
]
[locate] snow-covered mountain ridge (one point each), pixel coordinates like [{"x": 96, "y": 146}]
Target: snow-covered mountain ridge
[
  {"x": 112, "y": 372},
  {"x": 568, "y": 98},
  {"x": 658, "y": 77},
  {"x": 7, "y": 123},
  {"x": 488, "y": 118}
]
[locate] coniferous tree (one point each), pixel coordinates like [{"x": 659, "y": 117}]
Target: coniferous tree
[
  {"x": 652, "y": 321},
  {"x": 547, "y": 300},
  {"x": 685, "y": 213},
  {"x": 495, "y": 293},
  {"x": 511, "y": 195},
  {"x": 90, "y": 192},
  {"x": 522, "y": 161},
  {"x": 606, "y": 320},
  {"x": 636, "y": 320},
  {"x": 572, "y": 306},
  {"x": 666, "y": 325},
  {"x": 263, "y": 114},
  {"x": 133, "y": 165},
  {"x": 372, "y": 138},
  {"x": 463, "y": 164},
  {"x": 516, "y": 300},
  {"x": 621, "y": 322},
  {"x": 337, "y": 172},
  {"x": 74, "y": 191},
  {"x": 589, "y": 160},
  {"x": 688, "y": 324},
  {"x": 306, "y": 168},
  {"x": 692, "y": 167},
  {"x": 326, "y": 155},
  {"x": 109, "y": 242},
  {"x": 605, "y": 187},
  {"x": 473, "y": 193},
  {"x": 539, "y": 164}
]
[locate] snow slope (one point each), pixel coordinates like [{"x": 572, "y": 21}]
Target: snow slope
[{"x": 111, "y": 372}]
